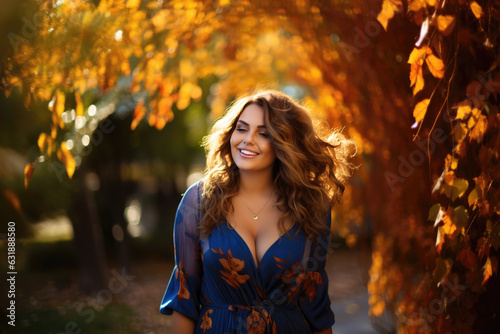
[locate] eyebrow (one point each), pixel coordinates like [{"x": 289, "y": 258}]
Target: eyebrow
[{"x": 258, "y": 126}]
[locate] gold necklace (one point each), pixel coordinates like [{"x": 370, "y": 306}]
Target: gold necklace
[{"x": 256, "y": 215}]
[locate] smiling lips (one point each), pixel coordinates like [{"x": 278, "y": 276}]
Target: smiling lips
[{"x": 246, "y": 153}]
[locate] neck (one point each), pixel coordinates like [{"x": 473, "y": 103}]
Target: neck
[{"x": 255, "y": 183}]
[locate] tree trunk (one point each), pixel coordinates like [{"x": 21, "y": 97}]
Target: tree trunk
[{"x": 90, "y": 254}]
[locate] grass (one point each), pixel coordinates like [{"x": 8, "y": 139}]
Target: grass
[{"x": 79, "y": 318}]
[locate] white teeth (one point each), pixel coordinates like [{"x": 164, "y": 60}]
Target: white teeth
[{"x": 248, "y": 152}]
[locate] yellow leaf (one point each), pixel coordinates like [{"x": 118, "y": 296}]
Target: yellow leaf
[
  {"x": 28, "y": 172},
  {"x": 476, "y": 9},
  {"x": 417, "y": 54},
  {"x": 42, "y": 141},
  {"x": 416, "y": 77},
  {"x": 186, "y": 68},
  {"x": 416, "y": 60},
  {"x": 445, "y": 24},
  {"x": 224, "y": 3},
  {"x": 133, "y": 3},
  {"x": 196, "y": 92},
  {"x": 463, "y": 109},
  {"x": 389, "y": 8},
  {"x": 420, "y": 110},
  {"x": 79, "y": 104},
  {"x": 435, "y": 65},
  {"x": 183, "y": 103},
  {"x": 65, "y": 156},
  {"x": 59, "y": 104},
  {"x": 161, "y": 19},
  {"x": 479, "y": 128}
]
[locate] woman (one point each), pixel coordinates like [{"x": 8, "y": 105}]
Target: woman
[{"x": 251, "y": 238}]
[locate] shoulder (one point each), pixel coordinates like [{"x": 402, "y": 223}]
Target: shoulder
[{"x": 191, "y": 197}]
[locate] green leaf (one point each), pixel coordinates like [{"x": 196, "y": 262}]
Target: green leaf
[
  {"x": 460, "y": 216},
  {"x": 459, "y": 188},
  {"x": 433, "y": 212},
  {"x": 473, "y": 196}
]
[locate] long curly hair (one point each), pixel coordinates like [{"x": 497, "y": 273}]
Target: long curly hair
[{"x": 310, "y": 171}]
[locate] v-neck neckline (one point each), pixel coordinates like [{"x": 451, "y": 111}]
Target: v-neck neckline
[{"x": 231, "y": 228}]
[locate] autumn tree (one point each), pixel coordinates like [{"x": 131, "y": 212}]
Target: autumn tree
[{"x": 415, "y": 83}]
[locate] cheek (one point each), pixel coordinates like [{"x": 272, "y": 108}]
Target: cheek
[
  {"x": 270, "y": 150},
  {"x": 233, "y": 141}
]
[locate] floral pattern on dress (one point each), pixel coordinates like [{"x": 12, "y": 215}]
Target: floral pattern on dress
[
  {"x": 232, "y": 266},
  {"x": 181, "y": 275},
  {"x": 259, "y": 321},
  {"x": 291, "y": 276},
  {"x": 206, "y": 322},
  {"x": 312, "y": 279}
]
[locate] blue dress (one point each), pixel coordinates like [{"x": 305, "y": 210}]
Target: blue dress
[{"x": 216, "y": 282}]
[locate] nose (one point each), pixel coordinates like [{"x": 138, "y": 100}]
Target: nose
[{"x": 249, "y": 138}]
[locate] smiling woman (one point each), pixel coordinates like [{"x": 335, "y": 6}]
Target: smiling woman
[{"x": 252, "y": 237}]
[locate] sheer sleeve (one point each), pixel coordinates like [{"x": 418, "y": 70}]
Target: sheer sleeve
[
  {"x": 314, "y": 300},
  {"x": 182, "y": 293}
]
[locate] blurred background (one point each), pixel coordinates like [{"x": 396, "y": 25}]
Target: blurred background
[{"x": 104, "y": 104}]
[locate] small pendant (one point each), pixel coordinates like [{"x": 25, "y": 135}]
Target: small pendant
[{"x": 255, "y": 217}]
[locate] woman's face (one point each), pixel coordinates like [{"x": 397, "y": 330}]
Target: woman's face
[{"x": 251, "y": 147}]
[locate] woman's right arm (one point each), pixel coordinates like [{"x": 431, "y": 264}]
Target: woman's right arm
[
  {"x": 182, "y": 297},
  {"x": 181, "y": 324}
]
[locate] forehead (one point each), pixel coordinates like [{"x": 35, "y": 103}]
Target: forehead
[{"x": 253, "y": 114}]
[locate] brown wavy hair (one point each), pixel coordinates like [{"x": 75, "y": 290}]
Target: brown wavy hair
[{"x": 309, "y": 173}]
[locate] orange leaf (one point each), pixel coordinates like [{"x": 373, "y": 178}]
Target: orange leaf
[
  {"x": 28, "y": 173},
  {"x": 476, "y": 9},
  {"x": 389, "y": 8},
  {"x": 79, "y": 104},
  {"x": 65, "y": 156},
  {"x": 445, "y": 24},
  {"x": 467, "y": 258},
  {"x": 12, "y": 198},
  {"x": 420, "y": 110},
  {"x": 435, "y": 65},
  {"x": 139, "y": 113},
  {"x": 416, "y": 5},
  {"x": 449, "y": 178},
  {"x": 489, "y": 267},
  {"x": 448, "y": 225}
]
